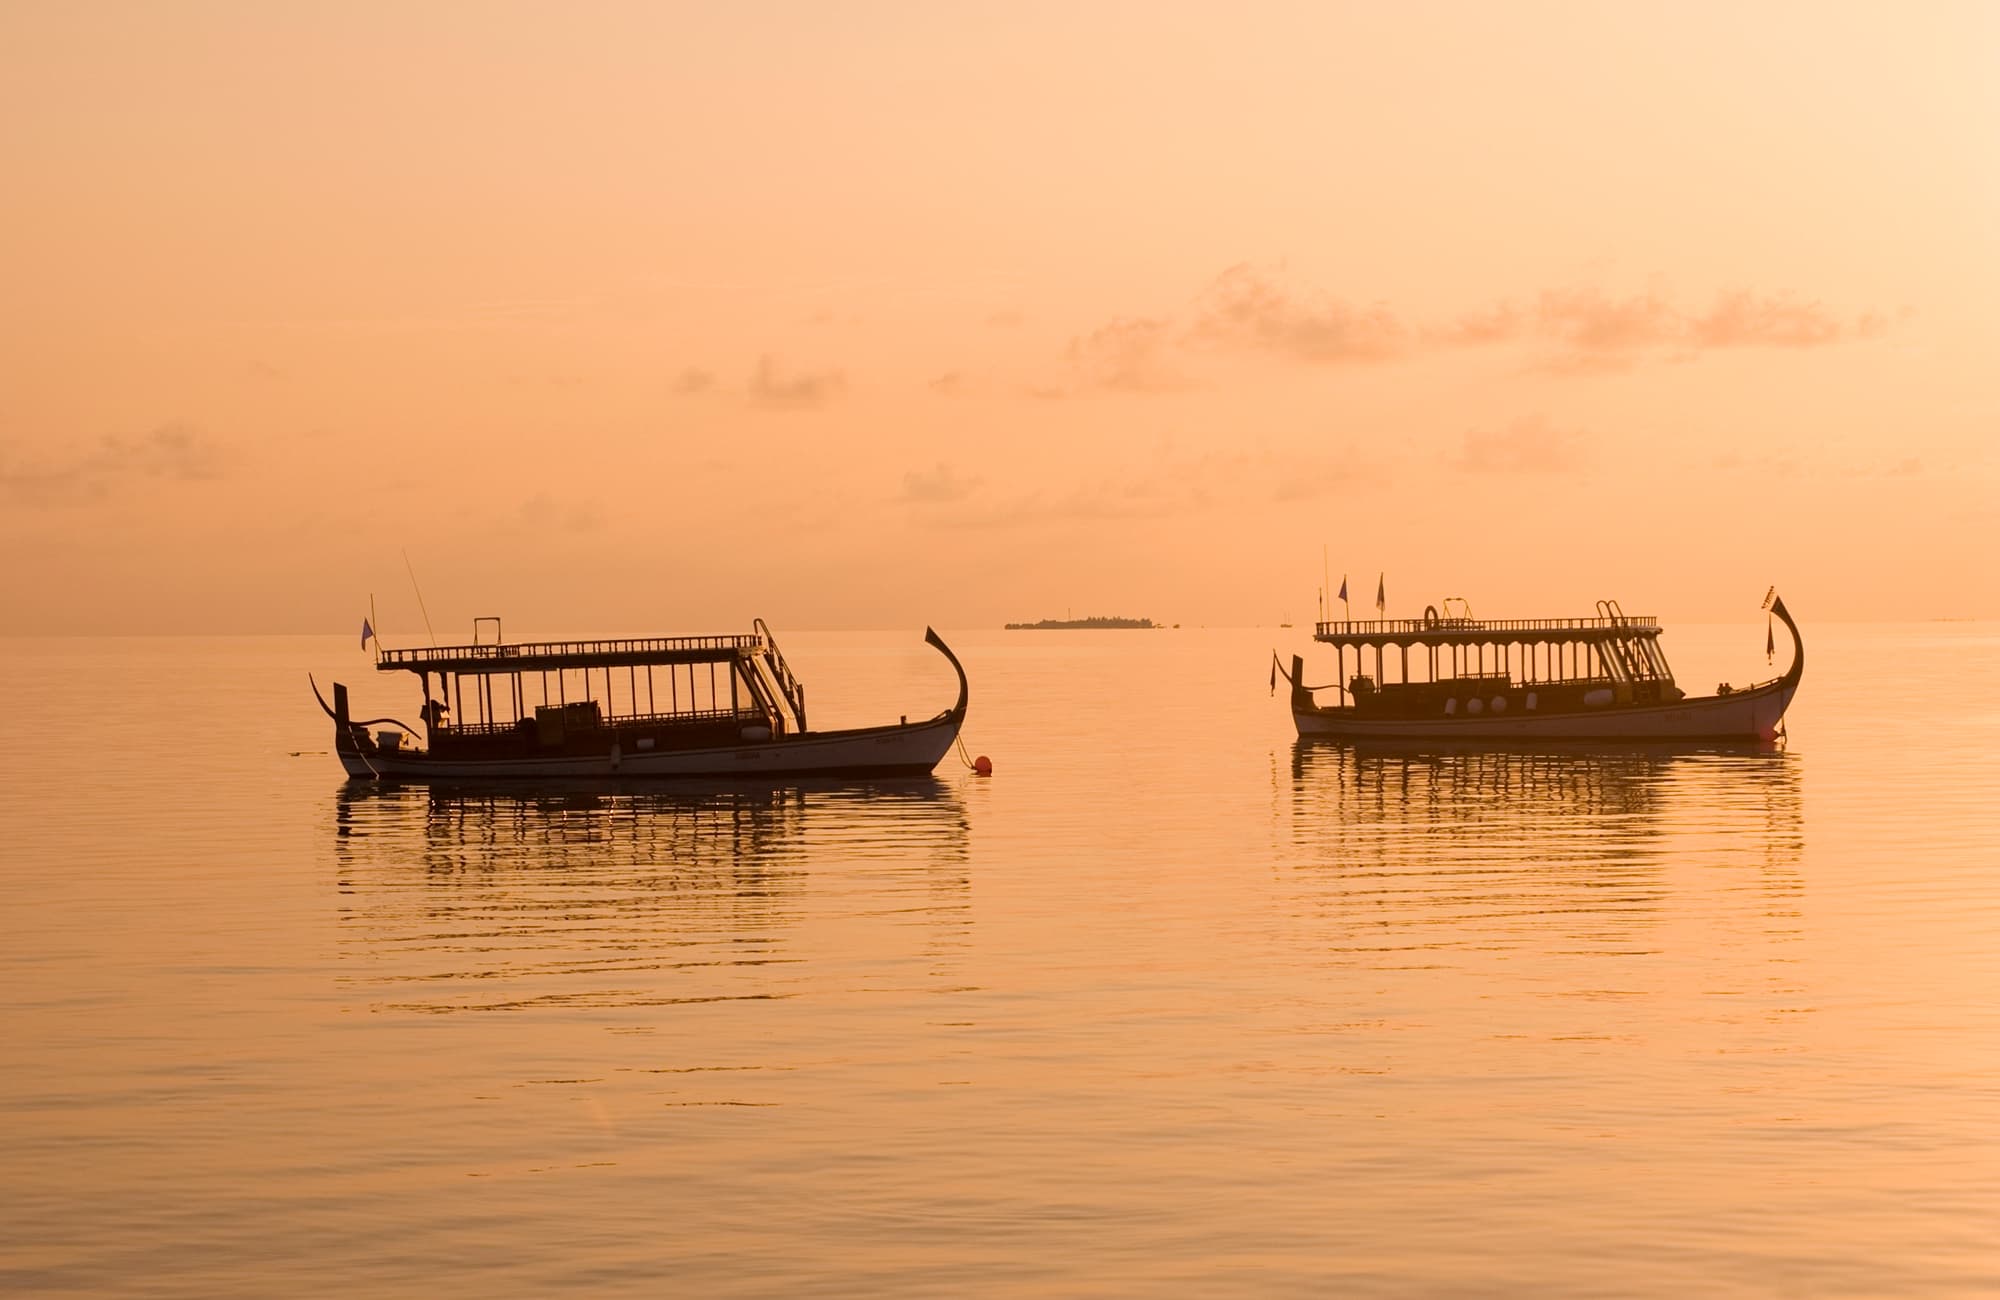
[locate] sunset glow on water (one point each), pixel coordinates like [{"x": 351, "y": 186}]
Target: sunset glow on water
[
  {"x": 1165, "y": 332},
  {"x": 1169, "y": 1003}
]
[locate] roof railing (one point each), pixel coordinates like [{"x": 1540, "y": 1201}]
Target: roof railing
[
  {"x": 1642, "y": 623},
  {"x": 566, "y": 649}
]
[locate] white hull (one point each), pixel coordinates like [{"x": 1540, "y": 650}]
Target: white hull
[
  {"x": 911, "y": 749},
  {"x": 1748, "y": 715}
]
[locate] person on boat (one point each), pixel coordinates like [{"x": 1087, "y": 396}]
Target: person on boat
[{"x": 433, "y": 714}]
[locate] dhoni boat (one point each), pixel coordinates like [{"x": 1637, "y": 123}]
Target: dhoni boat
[
  {"x": 1495, "y": 680},
  {"x": 690, "y": 706}
]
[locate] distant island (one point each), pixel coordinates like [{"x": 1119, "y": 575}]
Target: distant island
[{"x": 1053, "y": 623}]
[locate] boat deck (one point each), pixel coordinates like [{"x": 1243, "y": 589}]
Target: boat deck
[
  {"x": 1473, "y": 631},
  {"x": 548, "y": 656}
]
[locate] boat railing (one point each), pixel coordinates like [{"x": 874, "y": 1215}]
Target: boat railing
[
  {"x": 1644, "y": 623},
  {"x": 619, "y": 722},
  {"x": 790, "y": 686},
  {"x": 420, "y": 656}
]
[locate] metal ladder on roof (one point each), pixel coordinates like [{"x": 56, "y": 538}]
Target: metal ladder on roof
[
  {"x": 788, "y": 686},
  {"x": 1631, "y": 658}
]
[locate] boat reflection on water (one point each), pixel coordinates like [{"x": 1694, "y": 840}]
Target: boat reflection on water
[
  {"x": 1468, "y": 845},
  {"x": 508, "y": 897}
]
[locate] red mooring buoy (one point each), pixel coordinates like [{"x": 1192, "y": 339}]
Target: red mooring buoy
[{"x": 983, "y": 765}]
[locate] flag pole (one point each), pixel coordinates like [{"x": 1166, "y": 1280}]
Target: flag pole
[{"x": 375, "y": 625}]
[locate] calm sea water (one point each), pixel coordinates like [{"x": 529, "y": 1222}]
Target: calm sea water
[{"x": 1169, "y": 1005}]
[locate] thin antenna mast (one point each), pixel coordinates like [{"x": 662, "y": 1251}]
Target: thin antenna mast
[
  {"x": 1325, "y": 585},
  {"x": 420, "y": 598}
]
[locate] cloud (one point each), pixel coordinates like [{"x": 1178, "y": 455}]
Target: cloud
[
  {"x": 1603, "y": 333},
  {"x": 1742, "y": 319},
  {"x": 1098, "y": 499},
  {"x": 770, "y": 386},
  {"x": 1590, "y": 322},
  {"x": 171, "y": 453},
  {"x": 1130, "y": 355},
  {"x": 1307, "y": 478},
  {"x": 1243, "y": 307},
  {"x": 1501, "y": 324},
  {"x": 1782, "y": 464},
  {"x": 1578, "y": 331},
  {"x": 938, "y": 485},
  {"x": 948, "y": 385},
  {"x": 693, "y": 380},
  {"x": 543, "y": 514},
  {"x": 1168, "y": 484},
  {"x": 1527, "y": 446}
]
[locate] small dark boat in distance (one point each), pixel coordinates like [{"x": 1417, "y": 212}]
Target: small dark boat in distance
[
  {"x": 1066, "y": 624},
  {"x": 695, "y": 706},
  {"x": 1461, "y": 678}
]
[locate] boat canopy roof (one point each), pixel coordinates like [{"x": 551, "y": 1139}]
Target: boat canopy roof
[
  {"x": 1436, "y": 630},
  {"x": 549, "y": 656}
]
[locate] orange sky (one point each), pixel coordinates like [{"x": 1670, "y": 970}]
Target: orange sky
[{"x": 650, "y": 317}]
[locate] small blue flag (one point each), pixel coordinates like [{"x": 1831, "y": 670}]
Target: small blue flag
[
  {"x": 367, "y": 632},
  {"x": 1343, "y": 587},
  {"x": 1381, "y": 595}
]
